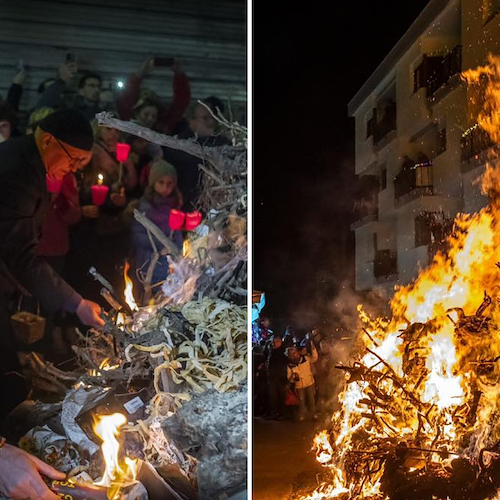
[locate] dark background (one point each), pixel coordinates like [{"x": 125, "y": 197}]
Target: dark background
[{"x": 308, "y": 63}]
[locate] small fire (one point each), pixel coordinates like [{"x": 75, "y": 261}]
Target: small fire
[
  {"x": 116, "y": 473},
  {"x": 106, "y": 366},
  {"x": 129, "y": 295},
  {"x": 186, "y": 248}
]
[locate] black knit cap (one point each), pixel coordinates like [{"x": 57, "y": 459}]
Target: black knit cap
[{"x": 70, "y": 126}]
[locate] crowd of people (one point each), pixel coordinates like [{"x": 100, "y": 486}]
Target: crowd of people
[
  {"x": 293, "y": 374},
  {"x": 53, "y": 229},
  {"x": 78, "y": 234}
]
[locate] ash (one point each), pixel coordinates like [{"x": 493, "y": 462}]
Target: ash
[{"x": 214, "y": 427}]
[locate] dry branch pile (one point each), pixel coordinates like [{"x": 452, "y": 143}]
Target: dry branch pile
[
  {"x": 404, "y": 445},
  {"x": 179, "y": 366}
]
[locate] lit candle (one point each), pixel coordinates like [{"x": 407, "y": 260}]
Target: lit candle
[
  {"x": 176, "y": 219},
  {"x": 99, "y": 192},
  {"x": 193, "y": 220}
]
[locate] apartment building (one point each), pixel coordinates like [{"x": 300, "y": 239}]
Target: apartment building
[{"x": 416, "y": 134}]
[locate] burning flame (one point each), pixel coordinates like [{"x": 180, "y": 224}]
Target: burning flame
[
  {"x": 116, "y": 473},
  {"x": 129, "y": 295},
  {"x": 417, "y": 375},
  {"x": 106, "y": 366},
  {"x": 186, "y": 248}
]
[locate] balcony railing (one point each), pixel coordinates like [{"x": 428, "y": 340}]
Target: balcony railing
[
  {"x": 387, "y": 124},
  {"x": 418, "y": 177},
  {"x": 385, "y": 263},
  {"x": 474, "y": 141},
  {"x": 435, "y": 72}
]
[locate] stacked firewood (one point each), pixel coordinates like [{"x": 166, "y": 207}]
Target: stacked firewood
[{"x": 399, "y": 444}]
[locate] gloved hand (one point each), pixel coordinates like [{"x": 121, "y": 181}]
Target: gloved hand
[{"x": 88, "y": 313}]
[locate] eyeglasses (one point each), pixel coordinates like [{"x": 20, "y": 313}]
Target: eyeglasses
[{"x": 75, "y": 162}]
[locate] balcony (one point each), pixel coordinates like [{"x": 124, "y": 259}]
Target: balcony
[
  {"x": 416, "y": 181},
  {"x": 365, "y": 217},
  {"x": 473, "y": 142},
  {"x": 436, "y": 72},
  {"x": 386, "y": 125},
  {"x": 385, "y": 263}
]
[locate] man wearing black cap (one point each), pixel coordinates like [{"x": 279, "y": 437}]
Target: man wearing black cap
[{"x": 61, "y": 144}]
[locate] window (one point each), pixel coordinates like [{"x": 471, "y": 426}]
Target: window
[
  {"x": 441, "y": 142},
  {"x": 383, "y": 179},
  {"x": 422, "y": 230},
  {"x": 490, "y": 9},
  {"x": 370, "y": 123},
  {"x": 427, "y": 74}
]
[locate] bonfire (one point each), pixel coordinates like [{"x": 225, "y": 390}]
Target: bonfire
[
  {"x": 419, "y": 416},
  {"x": 157, "y": 408}
]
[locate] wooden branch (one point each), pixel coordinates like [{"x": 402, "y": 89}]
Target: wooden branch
[
  {"x": 230, "y": 159},
  {"x": 157, "y": 232}
]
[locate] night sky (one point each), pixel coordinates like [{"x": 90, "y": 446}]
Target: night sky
[{"x": 307, "y": 65}]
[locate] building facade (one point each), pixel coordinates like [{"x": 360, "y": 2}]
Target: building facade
[{"x": 415, "y": 134}]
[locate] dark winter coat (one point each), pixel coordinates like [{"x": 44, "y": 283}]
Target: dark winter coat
[
  {"x": 56, "y": 96},
  {"x": 157, "y": 210},
  {"x": 188, "y": 172},
  {"x": 23, "y": 201},
  {"x": 276, "y": 365}
]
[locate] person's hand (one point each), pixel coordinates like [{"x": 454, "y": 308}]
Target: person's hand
[
  {"x": 90, "y": 211},
  {"x": 20, "y": 77},
  {"x": 20, "y": 475},
  {"x": 119, "y": 199},
  {"x": 147, "y": 67},
  {"x": 88, "y": 313},
  {"x": 67, "y": 71}
]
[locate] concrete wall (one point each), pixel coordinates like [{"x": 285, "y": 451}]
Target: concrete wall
[{"x": 419, "y": 120}]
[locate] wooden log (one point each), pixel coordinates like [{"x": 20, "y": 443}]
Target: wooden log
[
  {"x": 229, "y": 159},
  {"x": 157, "y": 232}
]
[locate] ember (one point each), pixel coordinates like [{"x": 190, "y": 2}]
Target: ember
[{"x": 418, "y": 417}]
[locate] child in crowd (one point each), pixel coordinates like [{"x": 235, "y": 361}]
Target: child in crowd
[
  {"x": 161, "y": 196},
  {"x": 299, "y": 372}
]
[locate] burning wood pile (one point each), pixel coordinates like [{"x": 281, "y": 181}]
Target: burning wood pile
[
  {"x": 158, "y": 409},
  {"x": 418, "y": 417}
]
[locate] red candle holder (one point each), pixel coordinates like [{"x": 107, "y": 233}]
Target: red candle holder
[
  {"x": 99, "y": 194},
  {"x": 122, "y": 151},
  {"x": 176, "y": 219},
  {"x": 193, "y": 220},
  {"x": 53, "y": 185}
]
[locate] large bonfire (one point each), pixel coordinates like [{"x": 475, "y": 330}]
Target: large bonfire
[{"x": 419, "y": 417}]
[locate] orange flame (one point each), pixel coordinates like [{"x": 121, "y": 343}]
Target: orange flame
[
  {"x": 107, "y": 428},
  {"x": 186, "y": 248},
  {"x": 424, "y": 346},
  {"x": 129, "y": 295}
]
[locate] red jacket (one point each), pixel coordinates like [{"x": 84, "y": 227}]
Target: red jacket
[
  {"x": 63, "y": 211},
  {"x": 169, "y": 115}
]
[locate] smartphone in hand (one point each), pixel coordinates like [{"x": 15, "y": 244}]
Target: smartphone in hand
[{"x": 163, "y": 62}]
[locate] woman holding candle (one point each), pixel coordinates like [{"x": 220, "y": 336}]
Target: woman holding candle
[
  {"x": 160, "y": 198},
  {"x": 105, "y": 162},
  {"x": 103, "y": 199}
]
